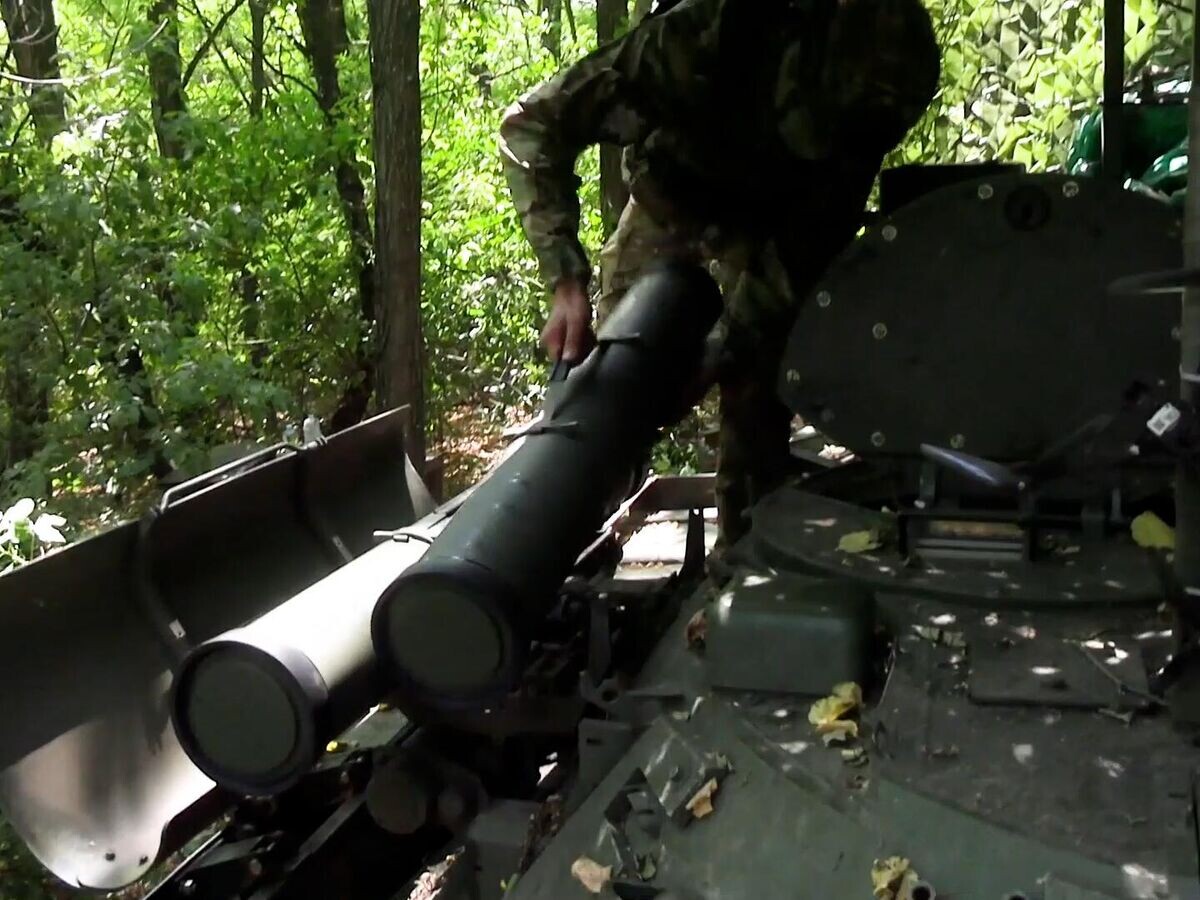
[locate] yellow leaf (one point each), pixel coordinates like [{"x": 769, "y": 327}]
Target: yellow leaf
[
  {"x": 893, "y": 878},
  {"x": 827, "y": 714},
  {"x": 838, "y": 732},
  {"x": 1152, "y": 532},
  {"x": 848, "y": 691},
  {"x": 591, "y": 874},
  {"x": 701, "y": 804},
  {"x": 859, "y": 542}
]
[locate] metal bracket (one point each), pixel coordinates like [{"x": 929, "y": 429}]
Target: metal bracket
[{"x": 403, "y": 536}]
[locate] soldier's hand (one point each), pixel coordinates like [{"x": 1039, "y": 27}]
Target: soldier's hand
[{"x": 568, "y": 333}]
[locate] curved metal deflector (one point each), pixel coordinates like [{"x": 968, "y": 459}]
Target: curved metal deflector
[{"x": 91, "y": 774}]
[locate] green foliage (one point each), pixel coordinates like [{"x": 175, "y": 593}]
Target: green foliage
[{"x": 168, "y": 309}]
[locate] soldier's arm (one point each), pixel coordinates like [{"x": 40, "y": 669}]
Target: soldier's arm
[{"x": 607, "y": 97}]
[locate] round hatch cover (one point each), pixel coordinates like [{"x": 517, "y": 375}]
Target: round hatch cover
[{"x": 979, "y": 317}]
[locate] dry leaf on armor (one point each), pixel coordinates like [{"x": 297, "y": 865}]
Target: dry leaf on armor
[
  {"x": 893, "y": 878},
  {"x": 697, "y": 630},
  {"x": 827, "y": 714},
  {"x": 838, "y": 732},
  {"x": 1152, "y": 532},
  {"x": 701, "y": 804},
  {"x": 591, "y": 874},
  {"x": 859, "y": 541},
  {"x": 648, "y": 868}
]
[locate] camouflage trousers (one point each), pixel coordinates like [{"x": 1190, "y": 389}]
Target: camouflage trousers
[{"x": 759, "y": 307}]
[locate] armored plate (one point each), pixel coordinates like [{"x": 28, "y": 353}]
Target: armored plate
[
  {"x": 987, "y": 802},
  {"x": 979, "y": 317},
  {"x": 92, "y": 775},
  {"x": 801, "y": 532}
]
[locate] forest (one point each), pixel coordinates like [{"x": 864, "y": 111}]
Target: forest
[{"x": 220, "y": 218}]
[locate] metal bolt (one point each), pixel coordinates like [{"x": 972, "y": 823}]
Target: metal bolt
[
  {"x": 110, "y": 856},
  {"x": 793, "y": 376},
  {"x": 958, "y": 442},
  {"x": 1071, "y": 189},
  {"x": 188, "y": 887},
  {"x": 986, "y": 192},
  {"x": 824, "y": 298},
  {"x": 255, "y": 867},
  {"x": 880, "y": 331},
  {"x": 889, "y": 232},
  {"x": 1175, "y": 333},
  {"x": 878, "y": 439}
]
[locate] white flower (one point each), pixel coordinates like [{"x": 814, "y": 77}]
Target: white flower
[
  {"x": 46, "y": 528},
  {"x": 19, "y": 512}
]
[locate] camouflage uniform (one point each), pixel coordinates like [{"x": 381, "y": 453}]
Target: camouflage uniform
[{"x": 753, "y": 131}]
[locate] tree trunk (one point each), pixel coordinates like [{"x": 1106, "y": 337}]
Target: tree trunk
[
  {"x": 611, "y": 19},
  {"x": 258, "y": 55},
  {"x": 167, "y": 100},
  {"x": 324, "y": 25},
  {"x": 248, "y": 283},
  {"x": 33, "y": 34},
  {"x": 551, "y": 11},
  {"x": 33, "y": 40},
  {"x": 395, "y": 74}
]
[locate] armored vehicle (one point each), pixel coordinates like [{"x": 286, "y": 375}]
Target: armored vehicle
[{"x": 953, "y": 657}]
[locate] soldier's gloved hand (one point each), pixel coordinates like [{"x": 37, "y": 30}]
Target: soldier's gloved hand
[{"x": 568, "y": 333}]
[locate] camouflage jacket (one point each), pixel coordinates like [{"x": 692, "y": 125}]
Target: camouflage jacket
[{"x": 743, "y": 120}]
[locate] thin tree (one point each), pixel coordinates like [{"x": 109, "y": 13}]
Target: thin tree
[
  {"x": 395, "y": 74},
  {"x": 167, "y": 99}
]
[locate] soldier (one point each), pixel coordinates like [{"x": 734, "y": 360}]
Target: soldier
[{"x": 753, "y": 132}]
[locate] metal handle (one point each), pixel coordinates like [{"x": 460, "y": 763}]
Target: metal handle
[
  {"x": 181, "y": 491},
  {"x": 977, "y": 469}
]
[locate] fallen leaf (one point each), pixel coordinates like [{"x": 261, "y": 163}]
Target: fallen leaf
[
  {"x": 892, "y": 878},
  {"x": 850, "y": 691},
  {"x": 648, "y": 869},
  {"x": 838, "y": 732},
  {"x": 827, "y": 714},
  {"x": 697, "y": 630},
  {"x": 859, "y": 541},
  {"x": 591, "y": 874},
  {"x": 701, "y": 804},
  {"x": 1153, "y": 533}
]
